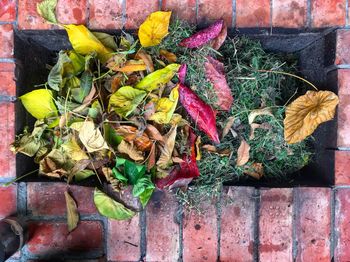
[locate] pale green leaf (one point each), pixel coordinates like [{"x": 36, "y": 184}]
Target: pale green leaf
[
  {"x": 83, "y": 174},
  {"x": 145, "y": 196},
  {"x": 47, "y": 9},
  {"x": 72, "y": 212},
  {"x": 74, "y": 150},
  {"x": 107, "y": 40}
]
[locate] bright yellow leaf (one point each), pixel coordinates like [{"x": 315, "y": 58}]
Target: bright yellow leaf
[
  {"x": 130, "y": 66},
  {"x": 125, "y": 100},
  {"x": 154, "y": 29},
  {"x": 158, "y": 78},
  {"x": 84, "y": 42},
  {"x": 39, "y": 103},
  {"x": 165, "y": 107},
  {"x": 307, "y": 112}
]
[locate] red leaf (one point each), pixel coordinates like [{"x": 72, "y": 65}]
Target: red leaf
[
  {"x": 200, "y": 112},
  {"x": 220, "y": 39},
  {"x": 182, "y": 73},
  {"x": 182, "y": 174},
  {"x": 216, "y": 75},
  {"x": 204, "y": 36}
]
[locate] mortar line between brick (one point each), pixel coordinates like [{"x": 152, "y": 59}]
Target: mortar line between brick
[
  {"x": 105, "y": 235},
  {"x": 7, "y": 60},
  {"x": 271, "y": 10},
  {"x": 87, "y": 13},
  {"x": 234, "y": 15},
  {"x": 123, "y": 13},
  {"x": 218, "y": 221},
  {"x": 308, "y": 14},
  {"x": 256, "y": 225},
  {"x": 143, "y": 233},
  {"x": 342, "y": 186},
  {"x": 181, "y": 219},
  {"x": 346, "y": 12},
  {"x": 160, "y": 2},
  {"x": 295, "y": 215},
  {"x": 16, "y": 15},
  {"x": 333, "y": 237},
  {"x": 22, "y": 199},
  {"x": 197, "y": 11}
]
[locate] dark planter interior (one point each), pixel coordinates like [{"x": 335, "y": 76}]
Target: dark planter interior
[{"x": 315, "y": 51}]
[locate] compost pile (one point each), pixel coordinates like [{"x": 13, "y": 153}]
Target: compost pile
[{"x": 169, "y": 108}]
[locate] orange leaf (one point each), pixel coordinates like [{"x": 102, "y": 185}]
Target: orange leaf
[
  {"x": 243, "y": 153},
  {"x": 169, "y": 56}
]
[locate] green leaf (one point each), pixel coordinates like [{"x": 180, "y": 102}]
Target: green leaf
[
  {"x": 39, "y": 103},
  {"x": 72, "y": 212},
  {"x": 133, "y": 171},
  {"x": 47, "y": 9},
  {"x": 55, "y": 77},
  {"x": 141, "y": 185},
  {"x": 110, "y": 208},
  {"x": 111, "y": 136},
  {"x": 107, "y": 40},
  {"x": 77, "y": 60},
  {"x": 119, "y": 176},
  {"x": 158, "y": 78},
  {"x": 145, "y": 196},
  {"x": 85, "y": 85},
  {"x": 125, "y": 100},
  {"x": 83, "y": 174}
]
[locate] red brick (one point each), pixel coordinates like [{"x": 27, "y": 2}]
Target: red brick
[
  {"x": 53, "y": 237},
  {"x": 71, "y": 11},
  {"x": 7, "y": 133},
  {"x": 327, "y": 13},
  {"x": 289, "y": 13},
  {"x": 123, "y": 240},
  {"x": 47, "y": 199},
  {"x": 162, "y": 229},
  {"x": 6, "y": 41},
  {"x": 251, "y": 13},
  {"x": 7, "y": 84},
  {"x": 200, "y": 234},
  {"x": 28, "y": 17},
  {"x": 276, "y": 224},
  {"x": 184, "y": 10},
  {"x": 106, "y": 14},
  {"x": 7, "y": 10},
  {"x": 138, "y": 10},
  {"x": 342, "y": 225},
  {"x": 211, "y": 10},
  {"x": 8, "y": 196},
  {"x": 313, "y": 224},
  {"x": 237, "y": 224},
  {"x": 342, "y": 163},
  {"x": 343, "y": 131},
  {"x": 343, "y": 47}
]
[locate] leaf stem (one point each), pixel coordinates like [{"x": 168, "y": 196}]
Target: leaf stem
[{"x": 18, "y": 178}]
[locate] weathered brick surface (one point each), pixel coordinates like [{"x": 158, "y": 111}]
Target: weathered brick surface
[
  {"x": 7, "y": 10},
  {"x": 327, "y": 13},
  {"x": 123, "y": 240},
  {"x": 72, "y": 11},
  {"x": 210, "y": 10},
  {"x": 237, "y": 224},
  {"x": 289, "y": 13},
  {"x": 200, "y": 234},
  {"x": 7, "y": 83},
  {"x": 106, "y": 14},
  {"x": 184, "y": 10},
  {"x": 47, "y": 199},
  {"x": 343, "y": 131},
  {"x": 8, "y": 196},
  {"x": 47, "y": 238},
  {"x": 6, "y": 41},
  {"x": 138, "y": 10},
  {"x": 162, "y": 228},
  {"x": 343, "y": 47},
  {"x": 251, "y": 13},
  {"x": 341, "y": 170},
  {"x": 28, "y": 18},
  {"x": 276, "y": 225},
  {"x": 313, "y": 224},
  {"x": 342, "y": 225}
]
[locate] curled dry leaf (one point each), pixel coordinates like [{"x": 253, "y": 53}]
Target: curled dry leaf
[
  {"x": 72, "y": 212},
  {"x": 204, "y": 36},
  {"x": 147, "y": 59},
  {"x": 201, "y": 113},
  {"x": 169, "y": 56},
  {"x": 138, "y": 138},
  {"x": 152, "y": 157},
  {"x": 243, "y": 153},
  {"x": 209, "y": 148},
  {"x": 215, "y": 74},
  {"x": 228, "y": 126},
  {"x": 220, "y": 39},
  {"x": 153, "y": 133},
  {"x": 258, "y": 112},
  {"x": 128, "y": 149},
  {"x": 167, "y": 150},
  {"x": 149, "y": 109},
  {"x": 256, "y": 170},
  {"x": 306, "y": 113}
]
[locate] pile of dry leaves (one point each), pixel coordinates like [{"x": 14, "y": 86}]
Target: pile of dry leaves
[{"x": 113, "y": 110}]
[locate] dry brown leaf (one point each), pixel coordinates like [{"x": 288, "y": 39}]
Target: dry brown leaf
[
  {"x": 228, "y": 126},
  {"x": 258, "y": 112},
  {"x": 169, "y": 56},
  {"x": 167, "y": 151},
  {"x": 87, "y": 100},
  {"x": 220, "y": 39},
  {"x": 152, "y": 157},
  {"x": 128, "y": 149},
  {"x": 243, "y": 153},
  {"x": 209, "y": 148},
  {"x": 256, "y": 170},
  {"x": 225, "y": 152},
  {"x": 177, "y": 160},
  {"x": 149, "y": 109},
  {"x": 306, "y": 113},
  {"x": 146, "y": 58},
  {"x": 132, "y": 134},
  {"x": 72, "y": 212},
  {"x": 153, "y": 133}
]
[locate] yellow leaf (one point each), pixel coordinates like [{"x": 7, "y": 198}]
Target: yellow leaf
[
  {"x": 74, "y": 151},
  {"x": 198, "y": 150},
  {"x": 165, "y": 107},
  {"x": 171, "y": 57},
  {"x": 131, "y": 66},
  {"x": 307, "y": 112},
  {"x": 125, "y": 100},
  {"x": 72, "y": 212},
  {"x": 128, "y": 149},
  {"x": 154, "y": 29},
  {"x": 84, "y": 42},
  {"x": 167, "y": 151},
  {"x": 39, "y": 103},
  {"x": 243, "y": 153},
  {"x": 158, "y": 78}
]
